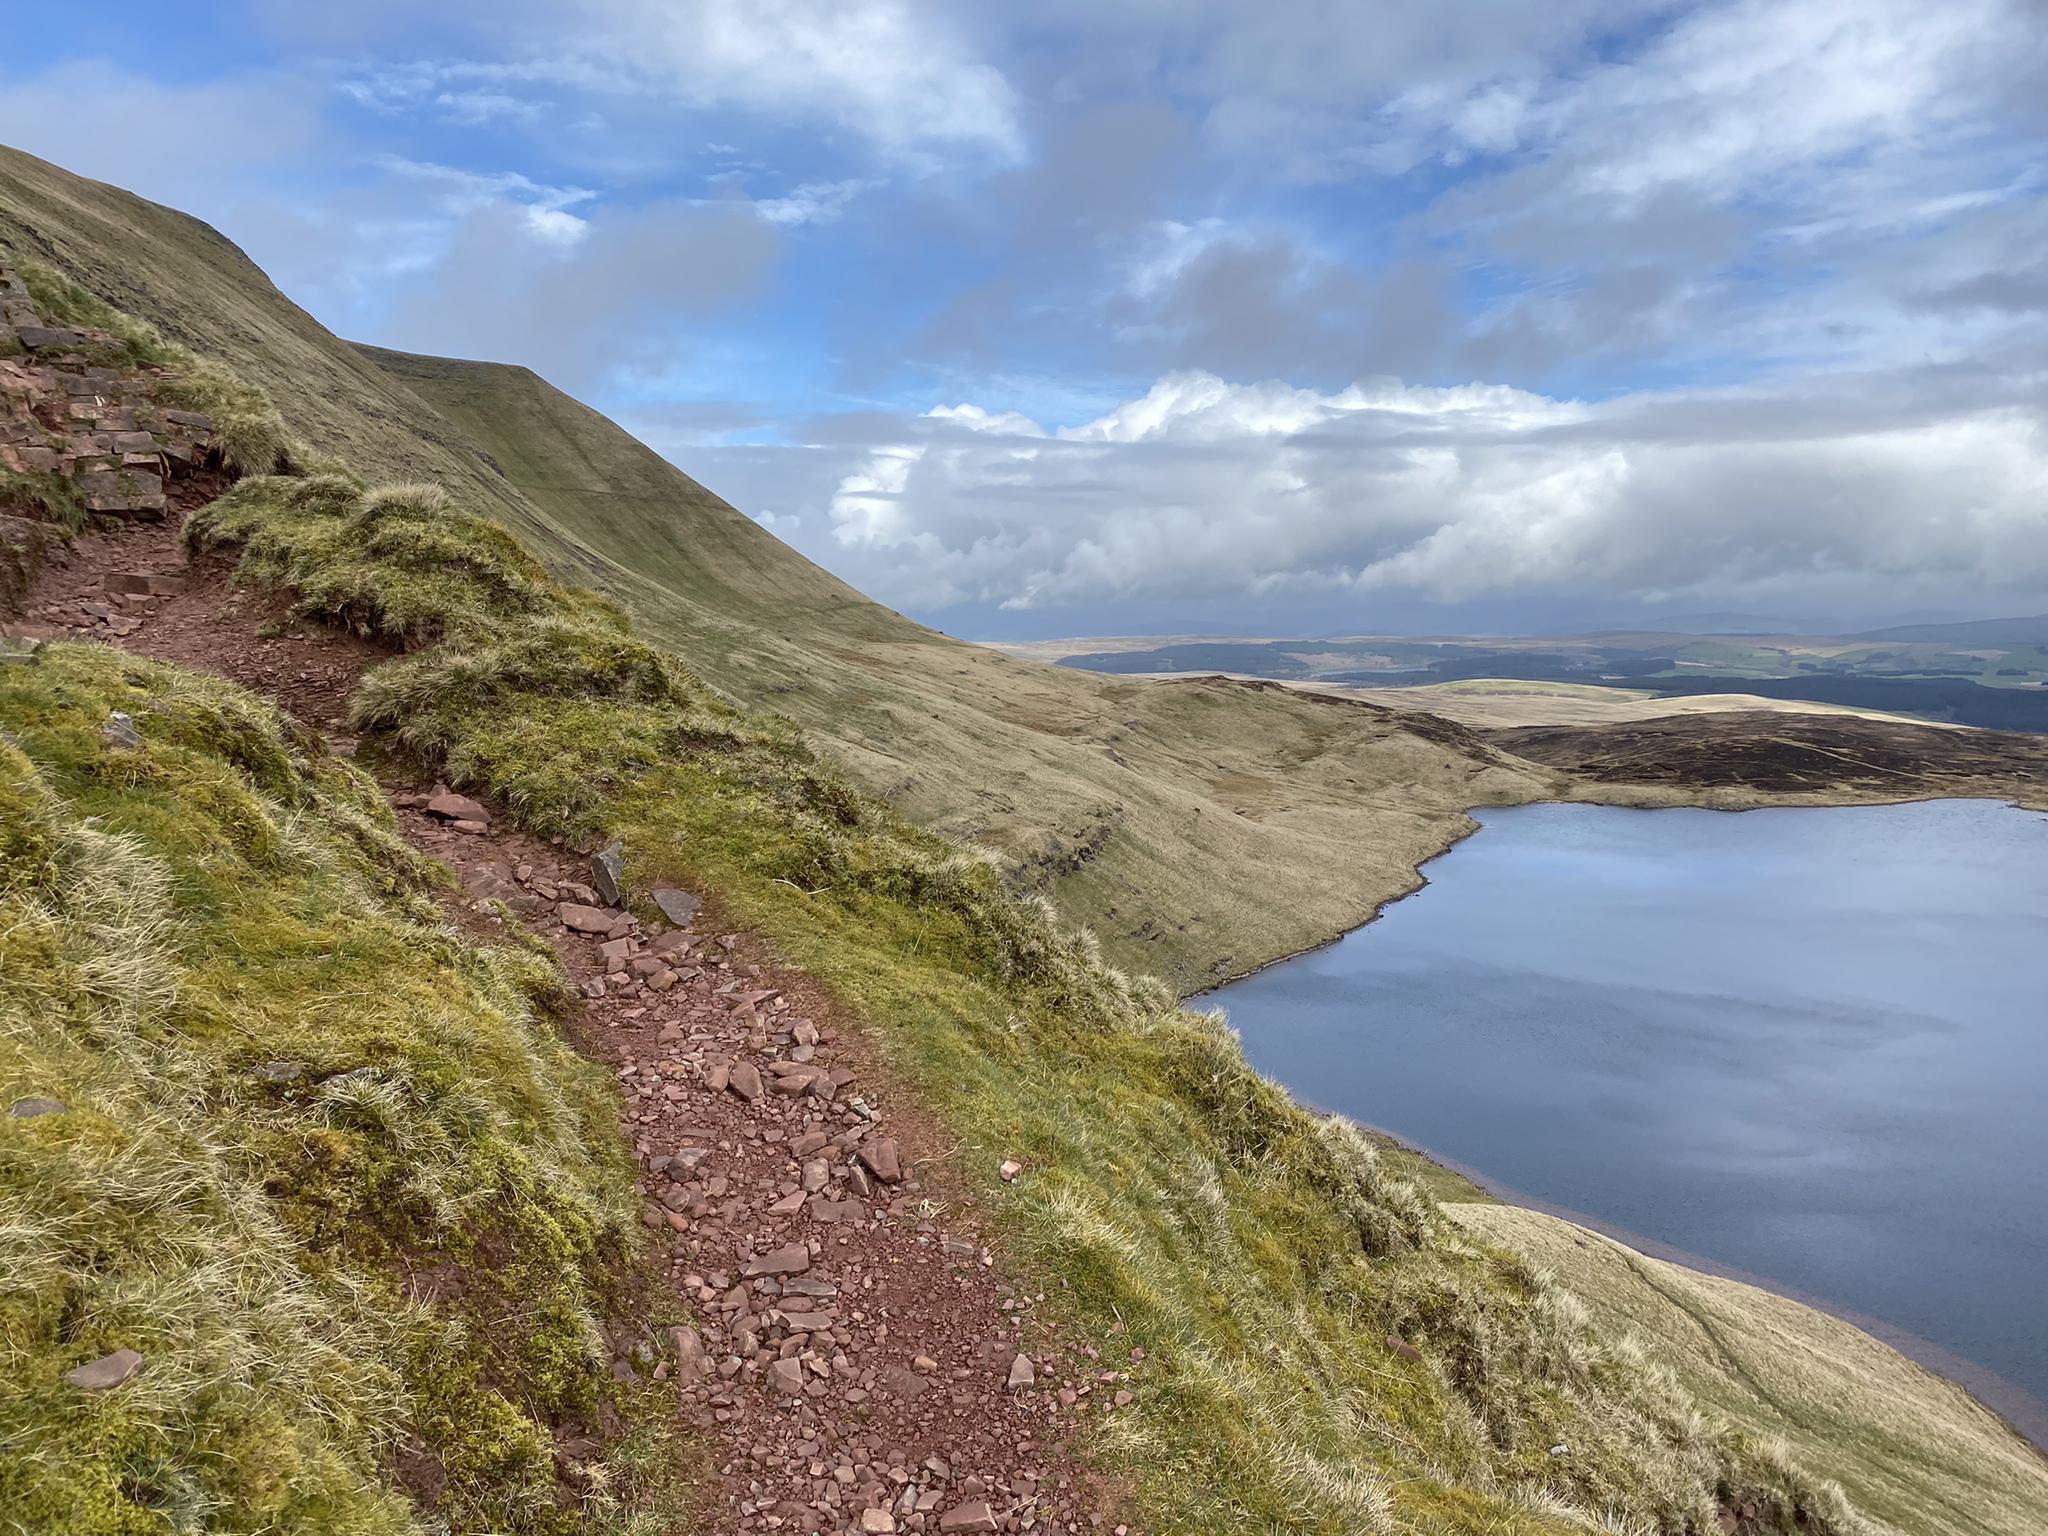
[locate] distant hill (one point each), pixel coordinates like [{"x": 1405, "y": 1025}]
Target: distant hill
[{"x": 2033, "y": 631}]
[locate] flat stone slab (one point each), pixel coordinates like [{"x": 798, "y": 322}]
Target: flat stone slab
[
  {"x": 45, "y": 338},
  {"x": 106, "y": 1372},
  {"x": 679, "y": 907}
]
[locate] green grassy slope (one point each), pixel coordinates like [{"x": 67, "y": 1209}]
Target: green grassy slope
[
  {"x": 286, "y": 1090},
  {"x": 1260, "y": 1257},
  {"x": 1912, "y": 1450},
  {"x": 1143, "y": 812}
]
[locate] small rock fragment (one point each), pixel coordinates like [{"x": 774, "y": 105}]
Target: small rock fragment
[
  {"x": 788, "y": 1376},
  {"x": 119, "y": 730},
  {"x": 882, "y": 1159},
  {"x": 692, "y": 1363},
  {"x": 1010, "y": 1169},
  {"x": 607, "y": 865},
  {"x": 972, "y": 1516},
  {"x": 1021, "y": 1373},
  {"x": 581, "y": 919},
  {"x": 679, "y": 907},
  {"x": 28, "y": 1109},
  {"x": 106, "y": 1372},
  {"x": 793, "y": 1260}
]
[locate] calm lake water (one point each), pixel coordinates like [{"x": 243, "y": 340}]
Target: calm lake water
[{"x": 1808, "y": 1044}]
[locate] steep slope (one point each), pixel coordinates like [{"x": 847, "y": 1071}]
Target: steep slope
[
  {"x": 1914, "y": 1451},
  {"x": 1143, "y": 812}
]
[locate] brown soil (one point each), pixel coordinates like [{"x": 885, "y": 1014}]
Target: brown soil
[
  {"x": 1791, "y": 754},
  {"x": 773, "y": 1217}
]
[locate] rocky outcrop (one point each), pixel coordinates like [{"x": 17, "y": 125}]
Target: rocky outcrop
[{"x": 79, "y": 435}]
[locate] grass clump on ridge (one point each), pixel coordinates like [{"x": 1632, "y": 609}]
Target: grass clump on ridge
[
  {"x": 326, "y": 1165},
  {"x": 1177, "y": 1203}
]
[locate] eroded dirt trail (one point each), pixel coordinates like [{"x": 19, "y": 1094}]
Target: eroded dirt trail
[{"x": 859, "y": 1363}]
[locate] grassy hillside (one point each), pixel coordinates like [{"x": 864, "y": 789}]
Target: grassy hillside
[
  {"x": 1913, "y": 1451},
  {"x": 1145, "y": 812},
  {"x": 1322, "y": 1349},
  {"x": 323, "y": 1165},
  {"x": 1254, "y": 1258}
]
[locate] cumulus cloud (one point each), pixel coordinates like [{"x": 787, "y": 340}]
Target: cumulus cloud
[
  {"x": 814, "y": 202},
  {"x": 1206, "y": 489}
]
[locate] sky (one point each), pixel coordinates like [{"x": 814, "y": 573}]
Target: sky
[{"x": 1154, "y": 316}]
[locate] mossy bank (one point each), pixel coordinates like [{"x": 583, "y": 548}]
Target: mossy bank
[{"x": 327, "y": 1167}]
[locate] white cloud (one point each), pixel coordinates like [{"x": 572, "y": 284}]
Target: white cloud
[
  {"x": 1204, "y": 489},
  {"x": 896, "y": 72},
  {"x": 815, "y": 202}
]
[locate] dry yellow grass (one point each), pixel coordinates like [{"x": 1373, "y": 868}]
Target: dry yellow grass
[{"x": 1913, "y": 1451}]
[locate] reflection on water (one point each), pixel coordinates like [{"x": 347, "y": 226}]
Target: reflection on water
[{"x": 1810, "y": 1044}]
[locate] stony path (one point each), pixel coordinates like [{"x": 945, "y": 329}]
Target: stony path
[{"x": 859, "y": 1361}]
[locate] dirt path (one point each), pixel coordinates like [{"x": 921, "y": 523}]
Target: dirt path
[{"x": 859, "y": 1362}]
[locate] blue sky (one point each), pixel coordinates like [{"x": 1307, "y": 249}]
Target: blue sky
[{"x": 1138, "y": 315}]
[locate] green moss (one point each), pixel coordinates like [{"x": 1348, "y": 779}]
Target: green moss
[
  {"x": 173, "y": 918},
  {"x": 45, "y": 496}
]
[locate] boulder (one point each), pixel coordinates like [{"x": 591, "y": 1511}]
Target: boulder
[
  {"x": 49, "y": 338},
  {"x": 453, "y": 807},
  {"x": 29, "y": 1109}
]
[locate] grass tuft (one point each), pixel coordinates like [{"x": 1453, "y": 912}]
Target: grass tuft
[{"x": 46, "y": 496}]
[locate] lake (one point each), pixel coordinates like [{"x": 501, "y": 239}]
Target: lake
[{"x": 1806, "y": 1044}]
